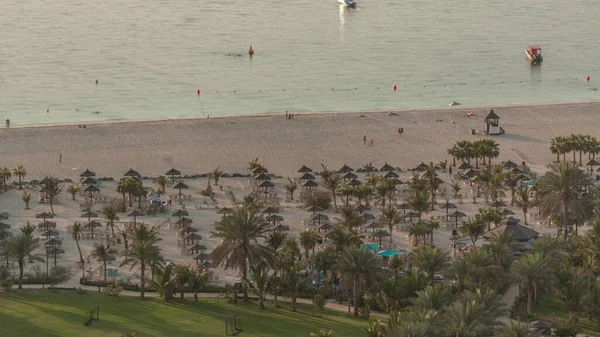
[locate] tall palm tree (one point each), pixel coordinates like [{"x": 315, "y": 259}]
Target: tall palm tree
[
  {"x": 5, "y": 174},
  {"x": 333, "y": 183},
  {"x": 28, "y": 229},
  {"x": 533, "y": 271},
  {"x": 433, "y": 297},
  {"x": 240, "y": 248},
  {"x": 291, "y": 187},
  {"x": 384, "y": 190},
  {"x": 432, "y": 225},
  {"x": 73, "y": 190},
  {"x": 453, "y": 151},
  {"x": 523, "y": 201},
  {"x": 360, "y": 266},
  {"x": 20, "y": 173},
  {"x": 473, "y": 228},
  {"x": 111, "y": 214},
  {"x": 26, "y": 197},
  {"x": 429, "y": 259},
  {"x": 75, "y": 231},
  {"x": 165, "y": 282},
  {"x": 391, "y": 216},
  {"x": 560, "y": 194},
  {"x": 517, "y": 329},
  {"x": 346, "y": 192},
  {"x": 473, "y": 315},
  {"x": 21, "y": 247},
  {"x": 182, "y": 276},
  {"x": 275, "y": 241},
  {"x": 512, "y": 182},
  {"x": 216, "y": 175},
  {"x": 198, "y": 279},
  {"x": 103, "y": 252},
  {"x": 592, "y": 302},
  {"x": 418, "y": 201},
  {"x": 555, "y": 148},
  {"x": 308, "y": 240},
  {"x": 260, "y": 281},
  {"x": 142, "y": 251},
  {"x": 341, "y": 238},
  {"x": 52, "y": 190},
  {"x": 162, "y": 185},
  {"x": 349, "y": 217}
]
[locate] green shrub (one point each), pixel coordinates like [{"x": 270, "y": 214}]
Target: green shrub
[
  {"x": 315, "y": 198},
  {"x": 113, "y": 289}
]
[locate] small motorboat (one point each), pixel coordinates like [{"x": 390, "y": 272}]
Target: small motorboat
[
  {"x": 534, "y": 54},
  {"x": 348, "y": 3}
]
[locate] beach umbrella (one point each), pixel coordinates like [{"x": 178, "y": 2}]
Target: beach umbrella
[
  {"x": 4, "y": 234},
  {"x": 391, "y": 175},
  {"x": 369, "y": 216},
  {"x": 281, "y": 228},
  {"x": 304, "y": 169},
  {"x": 310, "y": 184},
  {"x": 153, "y": 197},
  {"x": 274, "y": 218},
  {"x": 180, "y": 186},
  {"x": 173, "y": 172},
  {"x": 456, "y": 215},
  {"x": 89, "y": 181},
  {"x": 497, "y": 204},
  {"x": 132, "y": 173},
  {"x": 325, "y": 227},
  {"x": 91, "y": 189},
  {"x": 381, "y": 234},
  {"x": 87, "y": 173},
  {"x": 44, "y": 216},
  {"x": 259, "y": 170},
  {"x": 187, "y": 230},
  {"x": 49, "y": 233},
  {"x": 508, "y": 164},
  {"x": 183, "y": 222},
  {"x": 373, "y": 225},
  {"x": 135, "y": 214},
  {"x": 201, "y": 257},
  {"x": 319, "y": 218},
  {"x": 266, "y": 185},
  {"x": 46, "y": 225},
  {"x": 470, "y": 173},
  {"x": 270, "y": 210},
  {"x": 192, "y": 237},
  {"x": 91, "y": 225},
  {"x": 314, "y": 209},
  {"x": 386, "y": 168},
  {"x": 307, "y": 176},
  {"x": 54, "y": 251},
  {"x": 354, "y": 183},
  {"x": 52, "y": 242},
  {"x": 262, "y": 177},
  {"x": 410, "y": 215},
  {"x": 592, "y": 163},
  {"x": 350, "y": 176},
  {"x": 465, "y": 166},
  {"x": 205, "y": 265},
  {"x": 506, "y": 212},
  {"x": 89, "y": 215},
  {"x": 4, "y": 225},
  {"x": 225, "y": 210},
  {"x": 345, "y": 169},
  {"x": 403, "y": 205},
  {"x": 422, "y": 167},
  {"x": 361, "y": 208},
  {"x": 447, "y": 206},
  {"x": 196, "y": 248},
  {"x": 180, "y": 212}
]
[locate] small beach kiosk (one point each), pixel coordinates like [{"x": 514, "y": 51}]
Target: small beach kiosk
[{"x": 492, "y": 124}]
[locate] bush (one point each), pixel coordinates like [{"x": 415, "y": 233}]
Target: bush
[
  {"x": 319, "y": 301},
  {"x": 315, "y": 198},
  {"x": 113, "y": 289},
  {"x": 6, "y": 281},
  {"x": 567, "y": 330}
]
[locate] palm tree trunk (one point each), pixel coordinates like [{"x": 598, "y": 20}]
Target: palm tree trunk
[
  {"x": 195, "y": 295},
  {"x": 130, "y": 200},
  {"x": 104, "y": 269},
  {"x": 21, "y": 267},
  {"x": 431, "y": 238},
  {"x": 245, "y": 277},
  {"x": 391, "y": 227},
  {"x": 81, "y": 259},
  {"x": 261, "y": 301},
  {"x": 140, "y": 202},
  {"x": 52, "y": 205},
  {"x": 355, "y": 295},
  {"x": 20, "y": 185},
  {"x": 334, "y": 201},
  {"x": 558, "y": 157},
  {"x": 453, "y": 161},
  {"x": 142, "y": 278}
]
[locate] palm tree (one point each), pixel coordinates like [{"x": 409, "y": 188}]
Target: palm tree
[
  {"x": 75, "y": 231},
  {"x": 275, "y": 241},
  {"x": 523, "y": 201},
  {"x": 5, "y": 174},
  {"x": 473, "y": 315},
  {"x": 418, "y": 201},
  {"x": 346, "y": 192},
  {"x": 28, "y": 229},
  {"x": 103, "y": 253},
  {"x": 73, "y": 189},
  {"x": 26, "y": 197},
  {"x": 162, "y": 185},
  {"x": 385, "y": 190},
  {"x": 473, "y": 228},
  {"x": 240, "y": 248},
  {"x": 142, "y": 251},
  {"x": 333, "y": 184},
  {"x": 489, "y": 215},
  {"x": 391, "y": 216},
  {"x": 533, "y": 270},
  {"x": 291, "y": 187},
  {"x": 341, "y": 238},
  {"x": 20, "y": 172},
  {"x": 111, "y": 214},
  {"x": 453, "y": 151},
  {"x": 360, "y": 266},
  {"x": 512, "y": 182},
  {"x": 517, "y": 329},
  {"x": 433, "y": 297},
  {"x": 349, "y": 217},
  {"x": 559, "y": 194},
  {"x": 429, "y": 259},
  {"x": 125, "y": 232},
  {"x": 139, "y": 191},
  {"x": 432, "y": 225},
  {"x": 456, "y": 187},
  {"x": 216, "y": 174},
  {"x": 292, "y": 284},
  {"x": 592, "y": 302},
  {"x": 253, "y": 164},
  {"x": 362, "y": 192},
  {"x": 198, "y": 279},
  {"x": 165, "y": 282},
  {"x": 260, "y": 281},
  {"x": 308, "y": 240},
  {"x": 182, "y": 276},
  {"x": 21, "y": 247},
  {"x": 52, "y": 190}
]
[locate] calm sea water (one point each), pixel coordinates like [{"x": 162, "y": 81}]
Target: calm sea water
[{"x": 151, "y": 56}]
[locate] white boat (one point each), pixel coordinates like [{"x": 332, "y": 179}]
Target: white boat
[{"x": 348, "y": 3}]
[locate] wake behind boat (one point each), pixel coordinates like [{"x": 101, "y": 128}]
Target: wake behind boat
[{"x": 348, "y": 3}]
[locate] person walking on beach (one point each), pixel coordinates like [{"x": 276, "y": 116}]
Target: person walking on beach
[
  {"x": 286, "y": 115},
  {"x": 60, "y": 157},
  {"x": 7, "y": 123},
  {"x": 364, "y": 140}
]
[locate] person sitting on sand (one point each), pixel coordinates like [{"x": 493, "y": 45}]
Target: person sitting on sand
[{"x": 469, "y": 114}]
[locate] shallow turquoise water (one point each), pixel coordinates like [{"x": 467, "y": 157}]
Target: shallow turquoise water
[{"x": 150, "y": 57}]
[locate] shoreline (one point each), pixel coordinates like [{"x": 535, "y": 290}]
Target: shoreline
[{"x": 316, "y": 113}]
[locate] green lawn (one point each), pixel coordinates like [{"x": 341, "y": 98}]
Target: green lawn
[
  {"x": 60, "y": 313},
  {"x": 550, "y": 308}
]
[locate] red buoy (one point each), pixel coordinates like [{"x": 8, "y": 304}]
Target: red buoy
[
  {"x": 96, "y": 81},
  {"x": 198, "y": 92},
  {"x": 587, "y": 78},
  {"x": 394, "y": 87}
]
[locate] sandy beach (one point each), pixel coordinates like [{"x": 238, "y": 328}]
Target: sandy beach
[{"x": 199, "y": 145}]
